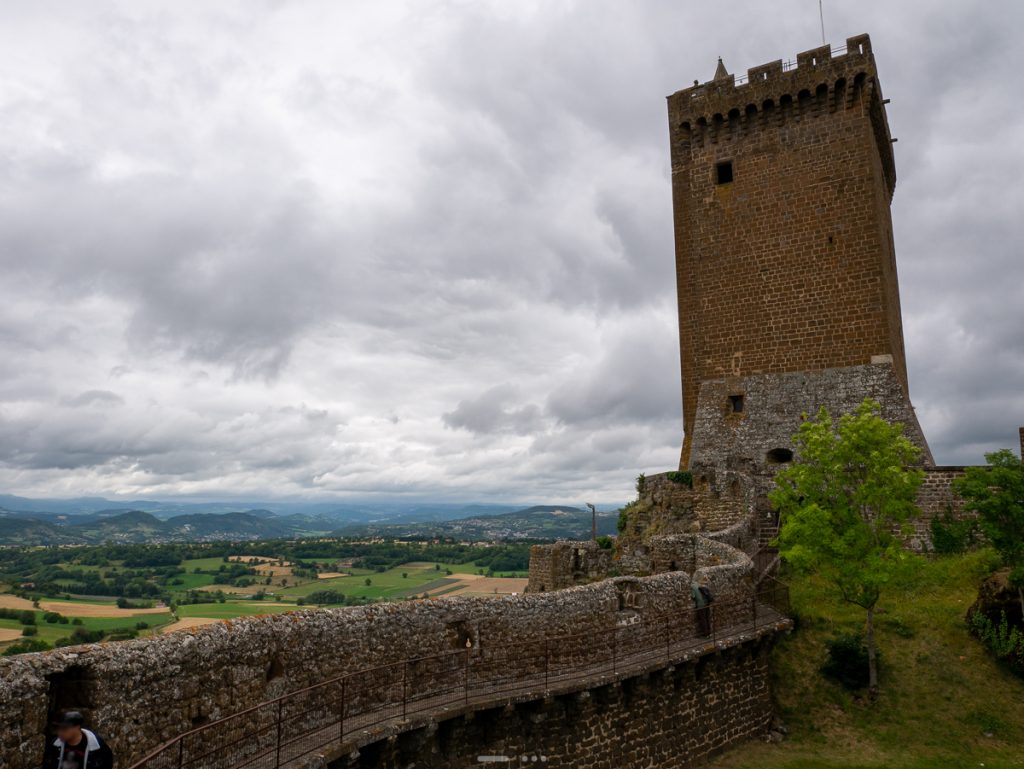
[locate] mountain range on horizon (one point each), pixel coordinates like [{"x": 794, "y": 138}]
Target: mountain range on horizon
[
  {"x": 339, "y": 510},
  {"x": 91, "y": 520}
]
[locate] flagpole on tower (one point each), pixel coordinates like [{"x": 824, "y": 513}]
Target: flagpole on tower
[{"x": 821, "y": 17}]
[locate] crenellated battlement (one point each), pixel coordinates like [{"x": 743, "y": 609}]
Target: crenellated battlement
[
  {"x": 774, "y": 80},
  {"x": 821, "y": 81}
]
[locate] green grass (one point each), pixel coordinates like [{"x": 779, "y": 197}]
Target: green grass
[
  {"x": 206, "y": 564},
  {"x": 230, "y": 609},
  {"x": 943, "y": 701},
  {"x": 191, "y": 581},
  {"x": 94, "y": 601}
]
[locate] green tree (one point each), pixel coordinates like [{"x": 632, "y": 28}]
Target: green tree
[
  {"x": 843, "y": 501},
  {"x": 996, "y": 494}
]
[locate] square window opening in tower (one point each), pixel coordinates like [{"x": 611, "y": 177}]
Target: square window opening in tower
[{"x": 723, "y": 172}]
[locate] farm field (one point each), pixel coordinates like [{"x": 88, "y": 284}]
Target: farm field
[
  {"x": 51, "y": 632},
  {"x": 410, "y": 579},
  {"x": 178, "y": 587},
  {"x": 78, "y": 608},
  {"x": 233, "y": 609},
  {"x": 471, "y": 584}
]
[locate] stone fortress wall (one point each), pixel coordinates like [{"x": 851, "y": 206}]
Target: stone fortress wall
[
  {"x": 673, "y": 526},
  {"x": 141, "y": 693}
]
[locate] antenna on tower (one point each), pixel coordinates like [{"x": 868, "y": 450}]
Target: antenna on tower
[{"x": 821, "y": 17}]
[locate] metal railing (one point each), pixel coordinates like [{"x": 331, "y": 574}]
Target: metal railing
[{"x": 281, "y": 732}]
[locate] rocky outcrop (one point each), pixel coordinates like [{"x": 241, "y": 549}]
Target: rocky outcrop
[{"x": 995, "y": 596}]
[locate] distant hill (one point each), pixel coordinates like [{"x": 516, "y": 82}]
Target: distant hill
[
  {"x": 136, "y": 526},
  {"x": 93, "y": 520},
  {"x": 537, "y": 522},
  {"x": 64, "y": 510},
  {"x": 28, "y": 531}
]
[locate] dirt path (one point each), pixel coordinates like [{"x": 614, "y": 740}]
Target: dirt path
[{"x": 190, "y": 622}]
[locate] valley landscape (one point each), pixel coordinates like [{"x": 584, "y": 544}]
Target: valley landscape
[{"x": 55, "y": 596}]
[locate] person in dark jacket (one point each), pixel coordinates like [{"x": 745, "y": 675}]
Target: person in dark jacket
[
  {"x": 77, "y": 748},
  {"x": 702, "y": 600}
]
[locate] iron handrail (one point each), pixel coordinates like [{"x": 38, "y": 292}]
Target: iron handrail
[{"x": 790, "y": 64}]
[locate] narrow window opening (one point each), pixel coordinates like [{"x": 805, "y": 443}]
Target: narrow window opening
[
  {"x": 275, "y": 669},
  {"x": 736, "y": 404},
  {"x": 723, "y": 172},
  {"x": 779, "y": 456}
]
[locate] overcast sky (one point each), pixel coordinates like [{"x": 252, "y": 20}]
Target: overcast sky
[{"x": 307, "y": 249}]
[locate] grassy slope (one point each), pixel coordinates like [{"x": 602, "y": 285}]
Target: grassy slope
[{"x": 943, "y": 701}]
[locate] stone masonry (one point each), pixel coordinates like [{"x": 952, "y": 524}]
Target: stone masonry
[
  {"x": 674, "y": 718},
  {"x": 784, "y": 252},
  {"x": 745, "y": 449}
]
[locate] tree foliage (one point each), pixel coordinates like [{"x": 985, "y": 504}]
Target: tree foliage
[
  {"x": 843, "y": 503},
  {"x": 996, "y": 494}
]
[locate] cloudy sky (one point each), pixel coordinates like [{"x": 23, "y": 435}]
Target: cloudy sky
[{"x": 310, "y": 249}]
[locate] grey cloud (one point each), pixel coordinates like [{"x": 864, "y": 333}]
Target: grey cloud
[
  {"x": 636, "y": 382},
  {"x": 494, "y": 411},
  {"x": 94, "y": 398}
]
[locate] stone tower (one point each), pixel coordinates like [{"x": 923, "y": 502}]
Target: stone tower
[{"x": 786, "y": 268}]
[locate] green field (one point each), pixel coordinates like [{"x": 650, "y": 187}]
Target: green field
[
  {"x": 206, "y": 564},
  {"x": 181, "y": 574},
  {"x": 943, "y": 702},
  {"x": 191, "y": 581},
  {"x": 386, "y": 584},
  {"x": 51, "y": 632}
]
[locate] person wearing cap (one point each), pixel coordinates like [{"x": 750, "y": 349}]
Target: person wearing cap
[{"x": 77, "y": 748}]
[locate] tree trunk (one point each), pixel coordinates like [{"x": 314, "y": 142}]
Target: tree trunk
[
  {"x": 1020, "y": 595},
  {"x": 872, "y": 653}
]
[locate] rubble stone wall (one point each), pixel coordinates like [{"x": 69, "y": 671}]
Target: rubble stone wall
[{"x": 139, "y": 694}]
